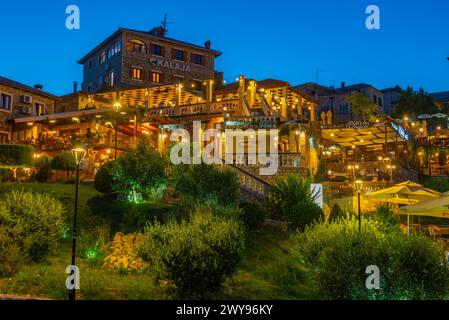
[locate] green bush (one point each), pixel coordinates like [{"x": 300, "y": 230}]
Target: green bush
[
  {"x": 13, "y": 155},
  {"x": 338, "y": 254},
  {"x": 439, "y": 184},
  {"x": 253, "y": 214},
  {"x": 103, "y": 178},
  {"x": 140, "y": 170},
  {"x": 64, "y": 162},
  {"x": 193, "y": 257},
  {"x": 204, "y": 181},
  {"x": 10, "y": 253},
  {"x": 129, "y": 217},
  {"x": 291, "y": 200},
  {"x": 386, "y": 218},
  {"x": 5, "y": 174},
  {"x": 43, "y": 165},
  {"x": 33, "y": 221},
  {"x": 419, "y": 269}
]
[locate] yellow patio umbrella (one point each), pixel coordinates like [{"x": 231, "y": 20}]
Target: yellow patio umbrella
[
  {"x": 404, "y": 193},
  {"x": 434, "y": 207}
]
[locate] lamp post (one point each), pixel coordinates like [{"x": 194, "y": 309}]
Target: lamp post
[
  {"x": 378, "y": 167},
  {"x": 117, "y": 106},
  {"x": 387, "y": 162},
  {"x": 78, "y": 153},
  {"x": 358, "y": 186},
  {"x": 390, "y": 169},
  {"x": 353, "y": 168},
  {"x": 297, "y": 140}
]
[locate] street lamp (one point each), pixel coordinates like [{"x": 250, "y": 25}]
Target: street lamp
[
  {"x": 79, "y": 154},
  {"x": 390, "y": 168},
  {"x": 358, "y": 186},
  {"x": 353, "y": 168},
  {"x": 117, "y": 106},
  {"x": 297, "y": 140},
  {"x": 387, "y": 162}
]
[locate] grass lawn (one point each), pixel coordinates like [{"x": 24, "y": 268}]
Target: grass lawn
[{"x": 269, "y": 269}]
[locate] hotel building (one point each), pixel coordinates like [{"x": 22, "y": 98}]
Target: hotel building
[{"x": 131, "y": 59}]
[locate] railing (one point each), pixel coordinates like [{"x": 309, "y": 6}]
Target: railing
[
  {"x": 282, "y": 160},
  {"x": 193, "y": 109},
  {"x": 248, "y": 182}
]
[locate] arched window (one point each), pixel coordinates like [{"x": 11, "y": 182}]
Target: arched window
[{"x": 137, "y": 46}]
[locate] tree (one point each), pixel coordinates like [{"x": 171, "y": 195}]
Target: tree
[
  {"x": 140, "y": 170},
  {"x": 362, "y": 105},
  {"x": 15, "y": 156},
  {"x": 413, "y": 103},
  {"x": 65, "y": 162}
]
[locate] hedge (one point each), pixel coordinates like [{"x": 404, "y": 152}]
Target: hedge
[{"x": 14, "y": 155}]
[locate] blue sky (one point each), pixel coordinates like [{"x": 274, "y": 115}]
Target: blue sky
[{"x": 282, "y": 39}]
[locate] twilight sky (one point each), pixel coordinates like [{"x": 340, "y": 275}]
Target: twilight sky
[{"x": 283, "y": 39}]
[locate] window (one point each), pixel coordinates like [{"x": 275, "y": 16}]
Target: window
[
  {"x": 344, "y": 109},
  {"x": 5, "y": 102},
  {"x": 102, "y": 57},
  {"x": 156, "y": 50},
  {"x": 156, "y": 77},
  {"x": 90, "y": 64},
  {"x": 137, "y": 46},
  {"x": 197, "y": 85},
  {"x": 380, "y": 101},
  {"x": 375, "y": 98},
  {"x": 137, "y": 73},
  {"x": 116, "y": 48},
  {"x": 39, "y": 108},
  {"x": 197, "y": 59},
  {"x": 179, "y": 55}
]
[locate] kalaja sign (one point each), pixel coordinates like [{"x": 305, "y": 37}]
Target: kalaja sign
[{"x": 172, "y": 65}]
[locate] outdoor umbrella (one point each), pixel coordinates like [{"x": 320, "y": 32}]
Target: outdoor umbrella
[
  {"x": 439, "y": 115},
  {"x": 404, "y": 193},
  {"x": 434, "y": 207},
  {"x": 424, "y": 116}
]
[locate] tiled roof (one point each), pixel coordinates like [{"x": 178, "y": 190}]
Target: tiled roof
[{"x": 18, "y": 85}]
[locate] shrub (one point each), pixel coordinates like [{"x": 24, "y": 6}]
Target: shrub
[
  {"x": 419, "y": 269},
  {"x": 253, "y": 214},
  {"x": 10, "y": 254},
  {"x": 33, "y": 221},
  {"x": 140, "y": 170},
  {"x": 194, "y": 256},
  {"x": 290, "y": 199},
  {"x": 13, "y": 155},
  {"x": 338, "y": 254},
  {"x": 103, "y": 178},
  {"x": 439, "y": 184},
  {"x": 64, "y": 162},
  {"x": 384, "y": 215},
  {"x": 5, "y": 174},
  {"x": 204, "y": 181},
  {"x": 43, "y": 165},
  {"x": 124, "y": 255}
]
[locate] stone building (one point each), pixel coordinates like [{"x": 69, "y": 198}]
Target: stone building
[
  {"x": 136, "y": 59},
  {"x": 18, "y": 100},
  {"x": 336, "y": 100}
]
